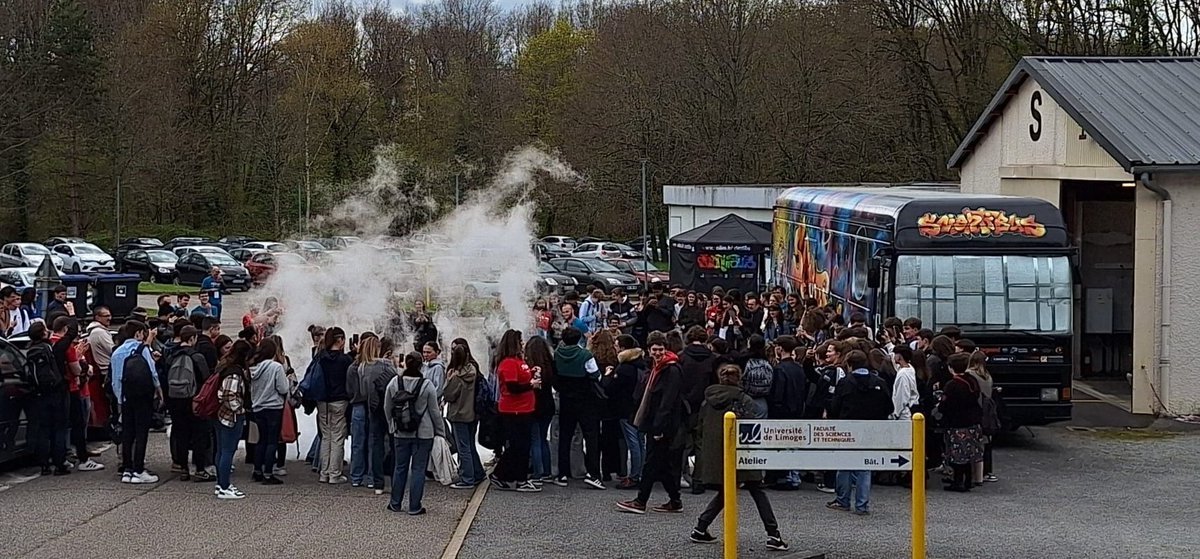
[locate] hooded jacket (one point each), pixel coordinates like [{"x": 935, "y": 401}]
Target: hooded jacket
[
  {"x": 789, "y": 391},
  {"x": 623, "y": 387},
  {"x": 574, "y": 372},
  {"x": 460, "y": 394},
  {"x": 426, "y": 405},
  {"x": 861, "y": 395},
  {"x": 360, "y": 381},
  {"x": 699, "y": 372},
  {"x": 435, "y": 372},
  {"x": 718, "y": 399},
  {"x": 376, "y": 376},
  {"x": 335, "y": 365},
  {"x": 269, "y": 386},
  {"x": 661, "y": 411},
  {"x": 204, "y": 346}
]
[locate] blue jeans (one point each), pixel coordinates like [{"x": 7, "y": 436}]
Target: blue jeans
[
  {"x": 227, "y": 442},
  {"x": 860, "y": 478},
  {"x": 360, "y": 460},
  {"x": 636, "y": 442},
  {"x": 314, "y": 453},
  {"x": 539, "y": 449},
  {"x": 380, "y": 441},
  {"x": 470, "y": 469},
  {"x": 417, "y": 452},
  {"x": 269, "y": 422}
]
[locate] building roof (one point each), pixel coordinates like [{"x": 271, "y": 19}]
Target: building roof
[
  {"x": 760, "y": 196},
  {"x": 1145, "y": 112}
]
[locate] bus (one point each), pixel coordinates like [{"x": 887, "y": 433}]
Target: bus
[{"x": 997, "y": 267}]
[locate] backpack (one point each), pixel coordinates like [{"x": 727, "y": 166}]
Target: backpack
[
  {"x": 42, "y": 369},
  {"x": 206, "y": 404},
  {"x": 137, "y": 380},
  {"x": 485, "y": 394},
  {"x": 404, "y": 407},
  {"x": 991, "y": 415},
  {"x": 181, "y": 375},
  {"x": 312, "y": 386},
  {"x": 756, "y": 379}
]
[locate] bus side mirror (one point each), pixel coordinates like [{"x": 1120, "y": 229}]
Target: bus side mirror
[{"x": 874, "y": 275}]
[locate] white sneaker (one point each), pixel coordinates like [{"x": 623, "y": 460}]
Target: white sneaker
[
  {"x": 684, "y": 483},
  {"x": 212, "y": 470},
  {"x": 90, "y": 466},
  {"x": 379, "y": 492},
  {"x": 280, "y": 471},
  {"x": 338, "y": 480},
  {"x": 126, "y": 477},
  {"x": 144, "y": 477},
  {"x": 232, "y": 493}
]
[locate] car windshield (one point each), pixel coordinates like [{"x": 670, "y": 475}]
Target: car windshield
[
  {"x": 290, "y": 258},
  {"x": 161, "y": 256},
  {"x": 34, "y": 249},
  {"x": 547, "y": 268},
  {"x": 222, "y": 260},
  {"x": 601, "y": 266},
  {"x": 87, "y": 249},
  {"x": 25, "y": 278}
]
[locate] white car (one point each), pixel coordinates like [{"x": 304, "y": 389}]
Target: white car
[
  {"x": 203, "y": 249},
  {"x": 85, "y": 257},
  {"x": 597, "y": 250},
  {"x": 27, "y": 254},
  {"x": 19, "y": 278},
  {"x": 268, "y": 246},
  {"x": 561, "y": 242}
]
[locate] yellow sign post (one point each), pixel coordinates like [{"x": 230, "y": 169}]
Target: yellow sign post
[
  {"x": 918, "y": 486},
  {"x": 730, "y": 485}
]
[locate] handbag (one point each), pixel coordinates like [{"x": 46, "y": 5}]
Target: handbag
[{"x": 288, "y": 432}]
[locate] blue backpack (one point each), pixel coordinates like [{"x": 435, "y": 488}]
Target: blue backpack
[
  {"x": 312, "y": 386},
  {"x": 485, "y": 394}
]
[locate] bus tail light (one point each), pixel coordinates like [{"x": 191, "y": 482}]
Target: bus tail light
[{"x": 1066, "y": 394}]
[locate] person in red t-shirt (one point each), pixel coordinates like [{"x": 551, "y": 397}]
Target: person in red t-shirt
[
  {"x": 65, "y": 341},
  {"x": 517, "y": 382}
]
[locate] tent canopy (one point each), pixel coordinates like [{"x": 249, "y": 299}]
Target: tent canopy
[{"x": 731, "y": 233}]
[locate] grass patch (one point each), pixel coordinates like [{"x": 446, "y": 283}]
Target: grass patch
[
  {"x": 146, "y": 288},
  {"x": 1133, "y": 435}
]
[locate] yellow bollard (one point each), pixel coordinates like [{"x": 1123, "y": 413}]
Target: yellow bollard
[
  {"x": 730, "y": 485},
  {"x": 918, "y": 486}
]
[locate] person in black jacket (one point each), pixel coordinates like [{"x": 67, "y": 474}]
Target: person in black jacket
[
  {"x": 789, "y": 390},
  {"x": 623, "y": 388},
  {"x": 753, "y": 316},
  {"x": 692, "y": 312},
  {"x": 697, "y": 362},
  {"x": 859, "y": 395},
  {"x": 660, "y": 416},
  {"x": 654, "y": 317},
  {"x": 961, "y": 416},
  {"x": 331, "y": 410}
]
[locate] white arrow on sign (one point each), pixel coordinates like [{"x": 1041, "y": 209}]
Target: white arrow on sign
[
  {"x": 884, "y": 460},
  {"x": 825, "y": 434}
]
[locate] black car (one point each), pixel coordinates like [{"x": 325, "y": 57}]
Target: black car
[
  {"x": 155, "y": 265},
  {"x": 194, "y": 267},
  {"x": 186, "y": 242},
  {"x": 235, "y": 241},
  {"x": 595, "y": 274},
  {"x": 135, "y": 243},
  {"x": 550, "y": 280},
  {"x": 546, "y": 251}
]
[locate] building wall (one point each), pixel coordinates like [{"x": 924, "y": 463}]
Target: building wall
[
  {"x": 1145, "y": 300},
  {"x": 1182, "y": 387},
  {"x": 686, "y": 218}
]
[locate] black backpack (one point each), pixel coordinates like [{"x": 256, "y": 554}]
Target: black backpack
[
  {"x": 137, "y": 380},
  {"x": 42, "y": 369},
  {"x": 404, "y": 407}
]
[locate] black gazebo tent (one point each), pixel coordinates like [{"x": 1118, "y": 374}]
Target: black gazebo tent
[{"x": 729, "y": 252}]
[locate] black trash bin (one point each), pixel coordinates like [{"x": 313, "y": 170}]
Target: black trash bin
[
  {"x": 118, "y": 292},
  {"x": 77, "y": 292}
]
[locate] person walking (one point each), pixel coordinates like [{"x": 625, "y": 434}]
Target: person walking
[
  {"x": 516, "y": 406},
  {"x": 331, "y": 411},
  {"x": 660, "y": 416},
  {"x": 460, "y": 412},
  {"x": 720, "y": 398},
  {"x": 410, "y": 404},
  {"x": 576, "y": 376},
  {"x": 234, "y": 395},
  {"x": 961, "y": 416},
  {"x": 269, "y": 388},
  {"x": 860, "y": 395},
  {"x": 136, "y": 384}
]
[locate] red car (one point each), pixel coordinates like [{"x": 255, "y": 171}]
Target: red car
[
  {"x": 263, "y": 264},
  {"x": 640, "y": 269}
]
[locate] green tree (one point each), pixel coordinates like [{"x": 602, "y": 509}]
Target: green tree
[{"x": 547, "y": 70}]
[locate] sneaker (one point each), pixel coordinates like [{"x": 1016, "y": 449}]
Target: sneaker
[
  {"x": 280, "y": 471},
  {"x": 272, "y": 481},
  {"x": 702, "y": 536},
  {"x": 127, "y": 477},
  {"x": 697, "y": 489},
  {"x": 90, "y": 466},
  {"x": 500, "y": 485},
  {"x": 322, "y": 479},
  {"x": 632, "y": 506},
  {"x": 776, "y": 543},
  {"x": 991, "y": 478},
  {"x": 417, "y": 512},
  {"x": 379, "y": 492},
  {"x": 834, "y": 505},
  {"x": 203, "y": 475},
  {"x": 461, "y": 485},
  {"x": 256, "y": 476},
  {"x": 669, "y": 506},
  {"x": 594, "y": 483},
  {"x": 537, "y": 482},
  {"x": 47, "y": 470},
  {"x": 370, "y": 486},
  {"x": 61, "y": 471},
  {"x": 211, "y": 470},
  {"x": 177, "y": 469},
  {"x": 338, "y": 480},
  {"x": 394, "y": 509},
  {"x": 546, "y": 479},
  {"x": 144, "y": 477},
  {"x": 684, "y": 483},
  {"x": 560, "y": 481},
  {"x": 823, "y": 489},
  {"x": 862, "y": 513},
  {"x": 628, "y": 483},
  {"x": 68, "y": 465},
  {"x": 528, "y": 487},
  {"x": 232, "y": 493}
]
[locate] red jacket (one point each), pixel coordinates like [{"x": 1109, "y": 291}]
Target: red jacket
[{"x": 516, "y": 393}]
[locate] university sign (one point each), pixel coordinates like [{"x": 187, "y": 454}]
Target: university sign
[{"x": 979, "y": 223}]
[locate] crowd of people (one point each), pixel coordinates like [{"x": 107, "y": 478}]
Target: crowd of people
[{"x": 603, "y": 390}]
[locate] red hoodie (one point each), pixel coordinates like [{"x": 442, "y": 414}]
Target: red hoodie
[{"x": 516, "y": 394}]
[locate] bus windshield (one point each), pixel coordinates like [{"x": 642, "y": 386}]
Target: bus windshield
[{"x": 994, "y": 293}]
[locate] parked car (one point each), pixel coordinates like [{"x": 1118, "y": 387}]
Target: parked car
[
  {"x": 263, "y": 264},
  {"x": 16, "y": 398},
  {"x": 597, "y": 250},
  {"x": 629, "y": 252},
  {"x": 244, "y": 255},
  {"x": 207, "y": 249},
  {"x": 235, "y": 241},
  {"x": 270, "y": 246},
  {"x": 546, "y": 251},
  {"x": 581, "y": 240},
  {"x": 63, "y": 240},
  {"x": 642, "y": 270},
  {"x": 194, "y": 267},
  {"x": 550, "y": 279},
  {"x": 343, "y": 241},
  {"x": 307, "y": 249},
  {"x": 561, "y": 242},
  {"x": 135, "y": 243},
  {"x": 84, "y": 257},
  {"x": 19, "y": 278},
  {"x": 155, "y": 265},
  {"x": 186, "y": 241},
  {"x": 27, "y": 254},
  {"x": 595, "y": 273}
]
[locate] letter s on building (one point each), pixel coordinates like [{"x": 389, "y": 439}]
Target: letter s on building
[{"x": 1035, "y": 129}]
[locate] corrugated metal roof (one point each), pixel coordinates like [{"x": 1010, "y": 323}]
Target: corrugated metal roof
[{"x": 1142, "y": 111}]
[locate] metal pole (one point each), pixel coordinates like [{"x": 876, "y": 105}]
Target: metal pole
[
  {"x": 730, "y": 485},
  {"x": 117, "y": 241},
  {"x": 918, "y": 486},
  {"x": 645, "y": 238},
  {"x": 456, "y": 190}
]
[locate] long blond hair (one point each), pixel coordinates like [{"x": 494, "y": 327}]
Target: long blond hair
[
  {"x": 978, "y": 365},
  {"x": 368, "y": 351}
]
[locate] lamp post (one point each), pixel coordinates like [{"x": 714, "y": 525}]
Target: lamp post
[{"x": 645, "y": 238}]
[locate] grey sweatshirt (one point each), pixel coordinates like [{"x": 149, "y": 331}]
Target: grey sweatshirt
[
  {"x": 435, "y": 372},
  {"x": 269, "y": 386},
  {"x": 432, "y": 423}
]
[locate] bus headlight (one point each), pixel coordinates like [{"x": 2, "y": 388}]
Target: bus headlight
[{"x": 1049, "y": 394}]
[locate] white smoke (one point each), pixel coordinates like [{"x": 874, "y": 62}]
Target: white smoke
[{"x": 474, "y": 265}]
